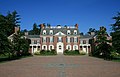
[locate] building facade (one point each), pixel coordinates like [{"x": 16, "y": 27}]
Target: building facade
[{"x": 60, "y": 39}]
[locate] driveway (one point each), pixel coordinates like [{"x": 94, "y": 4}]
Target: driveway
[{"x": 60, "y": 66}]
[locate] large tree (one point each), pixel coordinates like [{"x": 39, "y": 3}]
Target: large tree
[
  {"x": 35, "y": 30},
  {"x": 116, "y": 33},
  {"x": 7, "y": 24},
  {"x": 102, "y": 48}
]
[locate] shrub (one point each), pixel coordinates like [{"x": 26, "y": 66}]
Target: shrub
[
  {"x": 37, "y": 53},
  {"x": 71, "y": 52},
  {"x": 82, "y": 53},
  {"x": 47, "y": 52}
]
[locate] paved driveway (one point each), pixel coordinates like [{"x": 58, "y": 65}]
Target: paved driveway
[{"x": 60, "y": 66}]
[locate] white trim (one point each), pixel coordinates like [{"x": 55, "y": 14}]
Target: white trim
[
  {"x": 75, "y": 47},
  {"x": 43, "y": 47},
  {"x": 60, "y": 48},
  {"x": 68, "y": 46},
  {"x": 50, "y": 46},
  {"x": 60, "y": 33}
]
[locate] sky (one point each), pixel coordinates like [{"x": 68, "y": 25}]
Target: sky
[{"x": 86, "y": 13}]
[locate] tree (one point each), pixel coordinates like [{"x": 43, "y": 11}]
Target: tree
[
  {"x": 35, "y": 31},
  {"x": 116, "y": 33},
  {"x": 102, "y": 48},
  {"x": 7, "y": 24},
  {"x": 92, "y": 30}
]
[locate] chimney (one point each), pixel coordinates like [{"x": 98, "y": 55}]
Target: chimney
[
  {"x": 42, "y": 26},
  {"x": 17, "y": 28},
  {"x": 76, "y": 26},
  {"x": 92, "y": 33}
]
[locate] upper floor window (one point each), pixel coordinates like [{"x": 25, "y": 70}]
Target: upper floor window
[
  {"x": 84, "y": 41},
  {"x": 68, "y": 39},
  {"x": 35, "y": 41},
  {"x": 68, "y": 32},
  {"x": 75, "y": 39},
  {"x": 75, "y": 32},
  {"x": 81, "y": 41},
  {"x": 59, "y": 39},
  {"x": 44, "y": 32},
  {"x": 51, "y": 32},
  {"x": 44, "y": 39},
  {"x": 51, "y": 39}
]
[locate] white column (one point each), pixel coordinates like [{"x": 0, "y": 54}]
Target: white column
[
  {"x": 32, "y": 49},
  {"x": 87, "y": 48}
]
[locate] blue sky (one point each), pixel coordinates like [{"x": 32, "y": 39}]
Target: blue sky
[{"x": 86, "y": 13}]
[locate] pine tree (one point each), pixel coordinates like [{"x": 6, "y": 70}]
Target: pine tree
[{"x": 116, "y": 33}]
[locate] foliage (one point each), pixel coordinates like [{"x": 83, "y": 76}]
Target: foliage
[
  {"x": 82, "y": 53},
  {"x": 46, "y": 52},
  {"x": 92, "y": 30},
  {"x": 35, "y": 31},
  {"x": 19, "y": 46},
  {"x": 71, "y": 52},
  {"x": 116, "y": 33},
  {"x": 102, "y": 47}
]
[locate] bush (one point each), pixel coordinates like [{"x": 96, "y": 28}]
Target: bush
[
  {"x": 37, "y": 53},
  {"x": 82, "y": 53},
  {"x": 47, "y": 52},
  {"x": 71, "y": 52}
]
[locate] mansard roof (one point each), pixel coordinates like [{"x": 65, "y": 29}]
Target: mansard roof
[
  {"x": 86, "y": 36},
  {"x": 33, "y": 36},
  {"x": 62, "y": 29}
]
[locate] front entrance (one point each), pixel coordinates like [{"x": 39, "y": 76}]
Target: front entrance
[{"x": 60, "y": 48}]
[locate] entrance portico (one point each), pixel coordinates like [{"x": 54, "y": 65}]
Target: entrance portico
[{"x": 60, "y": 48}]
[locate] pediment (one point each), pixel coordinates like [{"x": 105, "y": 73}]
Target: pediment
[{"x": 59, "y": 34}]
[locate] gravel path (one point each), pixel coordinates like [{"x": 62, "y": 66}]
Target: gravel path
[{"x": 60, "y": 66}]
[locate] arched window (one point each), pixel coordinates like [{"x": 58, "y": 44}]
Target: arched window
[
  {"x": 44, "y": 32},
  {"x": 68, "y": 32}
]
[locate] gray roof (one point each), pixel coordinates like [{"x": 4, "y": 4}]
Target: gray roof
[
  {"x": 33, "y": 36},
  {"x": 86, "y": 36},
  {"x": 56, "y": 30}
]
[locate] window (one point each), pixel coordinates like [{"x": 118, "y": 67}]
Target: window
[
  {"x": 59, "y": 39},
  {"x": 59, "y": 46},
  {"x": 44, "y": 47},
  {"x": 71, "y": 39},
  {"x": 81, "y": 41},
  {"x": 51, "y": 32},
  {"x": 38, "y": 41},
  {"x": 75, "y": 39},
  {"x": 75, "y": 32},
  {"x": 44, "y": 39},
  {"x": 68, "y": 32},
  {"x": 44, "y": 32},
  {"x": 75, "y": 47},
  {"x": 51, "y": 39},
  {"x": 68, "y": 39},
  {"x": 50, "y": 47},
  {"x": 68, "y": 47},
  {"x": 84, "y": 41},
  {"x": 35, "y": 41},
  {"x": 38, "y": 46}
]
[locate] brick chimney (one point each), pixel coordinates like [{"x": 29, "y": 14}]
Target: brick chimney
[
  {"x": 17, "y": 28},
  {"x": 42, "y": 26},
  {"x": 76, "y": 26}
]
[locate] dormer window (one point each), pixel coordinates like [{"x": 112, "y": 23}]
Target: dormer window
[
  {"x": 68, "y": 32},
  {"x": 51, "y": 32},
  {"x": 44, "y": 32},
  {"x": 75, "y": 32}
]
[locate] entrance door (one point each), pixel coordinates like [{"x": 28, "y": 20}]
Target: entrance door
[{"x": 60, "y": 48}]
